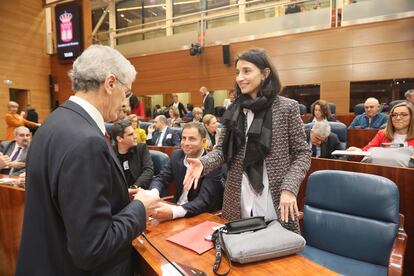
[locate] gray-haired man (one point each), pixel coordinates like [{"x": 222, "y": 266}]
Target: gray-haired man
[{"x": 322, "y": 141}]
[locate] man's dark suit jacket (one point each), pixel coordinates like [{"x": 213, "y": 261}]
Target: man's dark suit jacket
[
  {"x": 7, "y": 147},
  {"x": 209, "y": 105},
  {"x": 171, "y": 138},
  {"x": 140, "y": 165},
  {"x": 208, "y": 197},
  {"x": 331, "y": 144},
  {"x": 78, "y": 218}
]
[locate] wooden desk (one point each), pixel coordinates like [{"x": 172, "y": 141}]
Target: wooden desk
[
  {"x": 11, "y": 220},
  {"x": 167, "y": 150},
  {"x": 360, "y": 137},
  {"x": 345, "y": 118},
  {"x": 150, "y": 261},
  {"x": 403, "y": 177}
]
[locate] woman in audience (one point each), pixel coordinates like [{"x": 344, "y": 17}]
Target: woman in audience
[
  {"x": 399, "y": 129},
  {"x": 141, "y": 135},
  {"x": 197, "y": 115},
  {"x": 213, "y": 133},
  {"x": 174, "y": 119},
  {"x": 263, "y": 144},
  {"x": 320, "y": 112}
]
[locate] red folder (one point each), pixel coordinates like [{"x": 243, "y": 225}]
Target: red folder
[{"x": 193, "y": 238}]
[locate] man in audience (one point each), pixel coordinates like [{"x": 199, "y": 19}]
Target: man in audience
[
  {"x": 13, "y": 120},
  {"x": 161, "y": 135},
  {"x": 208, "y": 195},
  {"x": 372, "y": 118},
  {"x": 409, "y": 97},
  {"x": 134, "y": 157},
  {"x": 322, "y": 141},
  {"x": 16, "y": 150},
  {"x": 208, "y": 101},
  {"x": 78, "y": 218},
  {"x": 178, "y": 105}
]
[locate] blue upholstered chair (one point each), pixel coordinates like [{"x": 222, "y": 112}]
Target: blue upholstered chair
[
  {"x": 351, "y": 223},
  {"x": 332, "y": 108},
  {"x": 339, "y": 129},
  {"x": 302, "y": 109},
  {"x": 159, "y": 160},
  {"x": 392, "y": 103},
  {"x": 145, "y": 125},
  {"x": 179, "y": 130},
  {"x": 359, "y": 109}
]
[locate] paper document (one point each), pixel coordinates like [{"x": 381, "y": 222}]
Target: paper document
[
  {"x": 7, "y": 180},
  {"x": 194, "y": 238},
  {"x": 351, "y": 153}
]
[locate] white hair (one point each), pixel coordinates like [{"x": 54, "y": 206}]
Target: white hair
[
  {"x": 92, "y": 67},
  {"x": 18, "y": 129},
  {"x": 408, "y": 93},
  {"x": 322, "y": 128}
]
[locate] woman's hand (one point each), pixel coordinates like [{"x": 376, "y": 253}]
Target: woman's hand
[
  {"x": 193, "y": 173},
  {"x": 354, "y": 149},
  {"x": 288, "y": 206}
]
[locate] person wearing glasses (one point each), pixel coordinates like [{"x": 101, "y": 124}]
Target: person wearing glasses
[
  {"x": 393, "y": 145},
  {"x": 77, "y": 206}
]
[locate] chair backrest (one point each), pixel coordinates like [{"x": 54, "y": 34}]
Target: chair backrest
[
  {"x": 159, "y": 160},
  {"x": 219, "y": 111},
  {"x": 392, "y": 103},
  {"x": 145, "y": 125},
  {"x": 302, "y": 109},
  {"x": 359, "y": 109},
  {"x": 332, "y": 108},
  {"x": 351, "y": 214},
  {"x": 339, "y": 129}
]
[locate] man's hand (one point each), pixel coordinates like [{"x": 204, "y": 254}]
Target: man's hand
[
  {"x": 132, "y": 193},
  {"x": 149, "y": 200},
  {"x": 17, "y": 165},
  {"x": 4, "y": 161},
  {"x": 164, "y": 212},
  {"x": 150, "y": 129},
  {"x": 193, "y": 173}
]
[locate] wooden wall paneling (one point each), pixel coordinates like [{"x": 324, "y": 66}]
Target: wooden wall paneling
[
  {"x": 87, "y": 23},
  {"x": 23, "y": 55},
  {"x": 336, "y": 92},
  {"x": 315, "y": 75},
  {"x": 385, "y": 52},
  {"x": 383, "y": 70}
]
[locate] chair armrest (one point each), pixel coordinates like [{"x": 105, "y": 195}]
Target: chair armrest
[{"x": 396, "y": 262}]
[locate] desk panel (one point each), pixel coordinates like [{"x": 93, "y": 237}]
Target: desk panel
[{"x": 360, "y": 137}]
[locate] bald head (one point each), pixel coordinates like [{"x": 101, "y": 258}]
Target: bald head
[
  {"x": 203, "y": 90},
  {"x": 371, "y": 107}
]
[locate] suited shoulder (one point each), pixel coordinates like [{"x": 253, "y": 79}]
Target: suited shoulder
[{"x": 177, "y": 154}]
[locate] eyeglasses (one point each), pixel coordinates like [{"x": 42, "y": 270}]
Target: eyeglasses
[
  {"x": 128, "y": 92},
  {"x": 401, "y": 115}
]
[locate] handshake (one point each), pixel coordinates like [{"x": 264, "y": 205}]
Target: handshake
[{"x": 152, "y": 203}]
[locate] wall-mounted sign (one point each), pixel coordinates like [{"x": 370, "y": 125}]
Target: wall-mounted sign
[{"x": 69, "y": 30}]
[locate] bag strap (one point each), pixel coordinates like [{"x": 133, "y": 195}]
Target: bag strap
[{"x": 219, "y": 247}]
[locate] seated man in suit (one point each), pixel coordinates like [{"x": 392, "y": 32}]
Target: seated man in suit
[
  {"x": 16, "y": 150},
  {"x": 322, "y": 141},
  {"x": 134, "y": 157},
  {"x": 161, "y": 135},
  {"x": 207, "y": 197},
  {"x": 371, "y": 118}
]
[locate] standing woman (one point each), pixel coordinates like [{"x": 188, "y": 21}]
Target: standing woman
[{"x": 263, "y": 137}]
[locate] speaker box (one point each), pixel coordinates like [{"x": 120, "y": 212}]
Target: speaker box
[{"x": 226, "y": 54}]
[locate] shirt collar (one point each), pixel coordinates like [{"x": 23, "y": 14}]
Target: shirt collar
[{"x": 91, "y": 110}]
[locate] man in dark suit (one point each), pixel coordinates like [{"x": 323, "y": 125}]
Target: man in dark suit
[
  {"x": 161, "y": 135},
  {"x": 208, "y": 195},
  {"x": 208, "y": 101},
  {"x": 322, "y": 141},
  {"x": 134, "y": 157},
  {"x": 16, "y": 150},
  {"x": 78, "y": 218}
]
